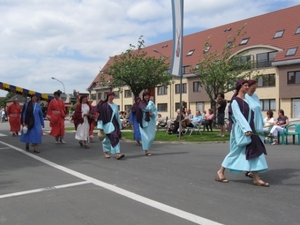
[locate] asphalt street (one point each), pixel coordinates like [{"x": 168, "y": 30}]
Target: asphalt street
[{"x": 69, "y": 185}]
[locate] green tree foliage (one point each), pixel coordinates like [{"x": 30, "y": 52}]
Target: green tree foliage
[
  {"x": 135, "y": 69},
  {"x": 219, "y": 71},
  {"x": 8, "y": 96}
]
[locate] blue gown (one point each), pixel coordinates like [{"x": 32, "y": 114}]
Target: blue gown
[
  {"x": 148, "y": 130},
  {"x": 34, "y": 135},
  {"x": 136, "y": 126},
  {"x": 106, "y": 143},
  {"x": 236, "y": 161}
]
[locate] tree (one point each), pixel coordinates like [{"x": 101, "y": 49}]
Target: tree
[
  {"x": 8, "y": 96},
  {"x": 219, "y": 71},
  {"x": 135, "y": 69}
]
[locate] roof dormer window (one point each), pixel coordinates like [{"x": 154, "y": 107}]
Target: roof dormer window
[
  {"x": 298, "y": 30},
  {"x": 244, "y": 41},
  {"x": 206, "y": 49},
  {"x": 279, "y": 34},
  {"x": 291, "y": 51},
  {"x": 190, "y": 52}
]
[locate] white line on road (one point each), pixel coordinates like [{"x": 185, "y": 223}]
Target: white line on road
[
  {"x": 4, "y": 148},
  {"x": 44, "y": 189},
  {"x": 157, "y": 205}
]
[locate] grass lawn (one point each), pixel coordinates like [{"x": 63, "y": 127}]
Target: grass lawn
[
  {"x": 206, "y": 136},
  {"x": 195, "y": 137}
]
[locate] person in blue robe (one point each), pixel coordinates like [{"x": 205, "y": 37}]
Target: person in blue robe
[
  {"x": 146, "y": 117},
  {"x": 250, "y": 157},
  {"x": 133, "y": 120},
  {"x": 109, "y": 121},
  {"x": 32, "y": 119}
]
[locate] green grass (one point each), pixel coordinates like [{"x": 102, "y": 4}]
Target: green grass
[
  {"x": 195, "y": 137},
  {"x": 206, "y": 136}
]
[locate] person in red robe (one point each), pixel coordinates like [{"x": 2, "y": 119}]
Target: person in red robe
[
  {"x": 14, "y": 113},
  {"x": 56, "y": 113}
]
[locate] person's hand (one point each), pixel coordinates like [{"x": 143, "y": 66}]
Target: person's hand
[
  {"x": 248, "y": 133},
  {"x": 150, "y": 113}
]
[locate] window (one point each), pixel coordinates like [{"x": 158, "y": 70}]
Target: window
[
  {"x": 291, "y": 51},
  {"x": 298, "y": 30},
  {"x": 229, "y": 43},
  {"x": 105, "y": 95},
  {"x": 117, "y": 94},
  {"x": 162, "y": 107},
  {"x": 162, "y": 90},
  {"x": 190, "y": 52},
  {"x": 177, "y": 88},
  {"x": 279, "y": 34},
  {"x": 196, "y": 86},
  {"x": 128, "y": 94},
  {"x": 206, "y": 49},
  {"x": 293, "y": 77},
  {"x": 265, "y": 59},
  {"x": 199, "y": 106},
  {"x": 185, "y": 69},
  {"x": 93, "y": 96},
  {"x": 128, "y": 107},
  {"x": 99, "y": 95},
  {"x": 244, "y": 41},
  {"x": 268, "y": 104},
  {"x": 266, "y": 80}
]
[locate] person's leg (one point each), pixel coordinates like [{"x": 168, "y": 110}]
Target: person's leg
[
  {"x": 257, "y": 181},
  {"x": 221, "y": 175},
  {"x": 35, "y": 150}
]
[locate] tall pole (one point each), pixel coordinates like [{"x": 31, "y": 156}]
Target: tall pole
[{"x": 60, "y": 82}]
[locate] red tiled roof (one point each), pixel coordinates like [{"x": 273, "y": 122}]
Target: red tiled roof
[{"x": 260, "y": 29}]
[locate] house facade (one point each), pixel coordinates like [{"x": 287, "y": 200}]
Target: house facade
[{"x": 271, "y": 41}]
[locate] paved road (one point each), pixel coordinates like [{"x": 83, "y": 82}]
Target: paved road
[{"x": 69, "y": 185}]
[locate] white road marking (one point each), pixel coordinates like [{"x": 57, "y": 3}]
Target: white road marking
[
  {"x": 157, "y": 205},
  {"x": 3, "y": 135},
  {"x": 4, "y": 148},
  {"x": 43, "y": 189}
]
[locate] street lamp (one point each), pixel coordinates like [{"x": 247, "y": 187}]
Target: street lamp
[
  {"x": 156, "y": 51},
  {"x": 60, "y": 82}
]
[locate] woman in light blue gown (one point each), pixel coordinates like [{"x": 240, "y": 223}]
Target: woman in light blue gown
[
  {"x": 248, "y": 157},
  {"x": 110, "y": 123},
  {"x": 146, "y": 117}
]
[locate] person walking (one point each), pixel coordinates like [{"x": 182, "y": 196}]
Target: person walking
[
  {"x": 32, "y": 122},
  {"x": 249, "y": 156},
  {"x": 134, "y": 122},
  {"x": 82, "y": 120},
  {"x": 109, "y": 122},
  {"x": 56, "y": 113},
  {"x": 221, "y": 106},
  {"x": 146, "y": 116},
  {"x": 14, "y": 114}
]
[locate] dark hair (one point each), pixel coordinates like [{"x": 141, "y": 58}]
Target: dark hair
[
  {"x": 82, "y": 97},
  {"x": 270, "y": 113},
  {"x": 57, "y": 93},
  {"x": 222, "y": 95},
  {"x": 281, "y": 111}
]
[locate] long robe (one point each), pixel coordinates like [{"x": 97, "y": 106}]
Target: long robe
[
  {"x": 236, "y": 161},
  {"x": 110, "y": 112},
  {"x": 57, "y": 112},
  {"x": 82, "y": 123},
  {"x": 33, "y": 135},
  {"x": 14, "y": 114},
  {"x": 136, "y": 125},
  {"x": 148, "y": 128}
]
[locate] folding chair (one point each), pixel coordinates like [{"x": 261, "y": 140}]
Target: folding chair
[
  {"x": 197, "y": 127},
  {"x": 293, "y": 133}
]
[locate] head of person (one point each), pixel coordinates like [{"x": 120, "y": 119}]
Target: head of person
[
  {"x": 159, "y": 115},
  {"x": 280, "y": 112},
  {"x": 270, "y": 113},
  {"x": 198, "y": 113},
  {"x": 15, "y": 101},
  {"x": 83, "y": 99},
  {"x": 241, "y": 86},
  {"x": 178, "y": 111},
  {"x": 146, "y": 96},
  {"x": 220, "y": 96},
  {"x": 210, "y": 111},
  {"x": 188, "y": 111},
  {"x": 110, "y": 96},
  {"x": 204, "y": 111},
  {"x": 34, "y": 98},
  {"x": 90, "y": 101},
  {"x": 252, "y": 86},
  {"x": 56, "y": 94},
  {"x": 137, "y": 100}
]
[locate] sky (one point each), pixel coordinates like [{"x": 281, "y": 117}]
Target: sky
[{"x": 71, "y": 40}]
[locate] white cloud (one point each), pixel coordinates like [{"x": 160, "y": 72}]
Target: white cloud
[{"x": 72, "y": 39}]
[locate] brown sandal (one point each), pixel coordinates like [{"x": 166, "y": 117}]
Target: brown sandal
[
  {"x": 120, "y": 156},
  {"x": 107, "y": 156}
]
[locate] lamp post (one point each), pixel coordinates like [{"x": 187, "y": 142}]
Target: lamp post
[{"x": 59, "y": 82}]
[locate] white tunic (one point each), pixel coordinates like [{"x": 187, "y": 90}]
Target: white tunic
[{"x": 82, "y": 132}]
